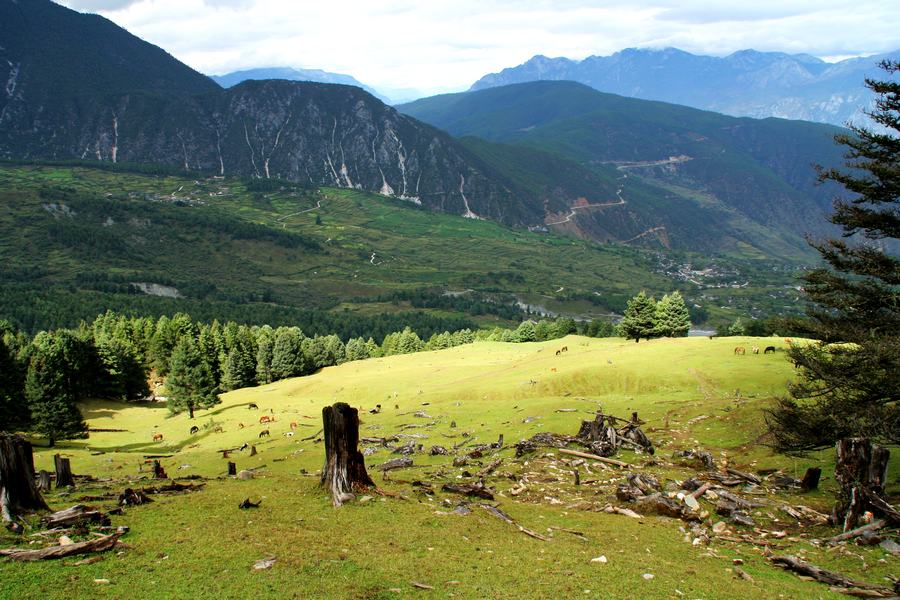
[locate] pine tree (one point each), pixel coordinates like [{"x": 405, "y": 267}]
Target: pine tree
[
  {"x": 51, "y": 388},
  {"x": 13, "y": 408},
  {"x": 672, "y": 316},
  {"x": 239, "y": 370},
  {"x": 265, "y": 339},
  {"x": 849, "y": 382},
  {"x": 191, "y": 382},
  {"x": 639, "y": 320},
  {"x": 288, "y": 359}
]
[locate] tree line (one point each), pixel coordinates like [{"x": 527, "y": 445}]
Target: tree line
[{"x": 43, "y": 378}]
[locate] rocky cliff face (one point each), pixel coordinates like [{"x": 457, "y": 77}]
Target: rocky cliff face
[
  {"x": 77, "y": 86},
  {"x": 747, "y": 83}
]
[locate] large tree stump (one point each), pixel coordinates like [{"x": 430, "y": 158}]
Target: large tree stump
[
  {"x": 345, "y": 469},
  {"x": 861, "y": 471},
  {"x": 64, "y": 476},
  {"x": 18, "y": 492}
]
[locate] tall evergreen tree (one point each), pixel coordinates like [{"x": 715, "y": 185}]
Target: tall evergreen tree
[
  {"x": 191, "y": 382},
  {"x": 849, "y": 383},
  {"x": 672, "y": 316},
  {"x": 639, "y": 320},
  {"x": 13, "y": 408},
  {"x": 288, "y": 359},
  {"x": 51, "y": 386},
  {"x": 265, "y": 340}
]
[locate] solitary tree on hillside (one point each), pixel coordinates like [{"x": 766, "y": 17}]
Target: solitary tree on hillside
[
  {"x": 639, "y": 320},
  {"x": 672, "y": 316},
  {"x": 849, "y": 386}
]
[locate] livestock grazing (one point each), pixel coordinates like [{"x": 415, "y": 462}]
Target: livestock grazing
[
  {"x": 740, "y": 350},
  {"x": 376, "y": 410},
  {"x": 293, "y": 425},
  {"x": 755, "y": 349},
  {"x": 240, "y": 425},
  {"x": 557, "y": 352},
  {"x": 288, "y": 434},
  {"x": 266, "y": 419},
  {"x": 264, "y": 433},
  {"x": 218, "y": 429},
  {"x": 553, "y": 369},
  {"x": 252, "y": 406},
  {"x": 769, "y": 349},
  {"x": 157, "y": 437},
  {"x": 564, "y": 349},
  {"x": 194, "y": 430},
  {"x": 788, "y": 341}
]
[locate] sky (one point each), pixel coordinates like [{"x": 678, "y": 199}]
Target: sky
[{"x": 437, "y": 46}]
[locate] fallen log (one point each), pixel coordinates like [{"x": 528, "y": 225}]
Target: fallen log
[
  {"x": 849, "y": 535},
  {"x": 832, "y": 578},
  {"x": 395, "y": 463},
  {"x": 602, "y": 459},
  {"x": 745, "y": 476},
  {"x": 98, "y": 545},
  {"x": 502, "y": 515},
  {"x": 488, "y": 469},
  {"x": 76, "y": 514},
  {"x": 468, "y": 489}
]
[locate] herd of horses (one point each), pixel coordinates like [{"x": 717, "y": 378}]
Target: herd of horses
[
  {"x": 263, "y": 420},
  {"x": 754, "y": 350}
]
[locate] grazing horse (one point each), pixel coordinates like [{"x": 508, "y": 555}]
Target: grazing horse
[
  {"x": 293, "y": 425},
  {"x": 769, "y": 349},
  {"x": 218, "y": 429},
  {"x": 755, "y": 349},
  {"x": 157, "y": 437},
  {"x": 564, "y": 349},
  {"x": 288, "y": 434},
  {"x": 194, "y": 430},
  {"x": 265, "y": 419},
  {"x": 740, "y": 350},
  {"x": 788, "y": 341},
  {"x": 252, "y": 406},
  {"x": 557, "y": 352},
  {"x": 240, "y": 425},
  {"x": 264, "y": 433},
  {"x": 553, "y": 369}
]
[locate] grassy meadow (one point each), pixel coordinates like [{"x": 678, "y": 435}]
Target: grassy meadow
[{"x": 692, "y": 393}]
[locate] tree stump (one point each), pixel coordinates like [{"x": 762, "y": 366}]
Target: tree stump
[
  {"x": 811, "y": 479},
  {"x": 232, "y": 468},
  {"x": 344, "y": 470},
  {"x": 252, "y": 450},
  {"x": 44, "y": 484},
  {"x": 63, "y": 472},
  {"x": 861, "y": 472},
  {"x": 18, "y": 492},
  {"x": 158, "y": 471}
]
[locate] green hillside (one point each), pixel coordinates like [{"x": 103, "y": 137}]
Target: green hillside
[
  {"x": 692, "y": 393},
  {"x": 75, "y": 241},
  {"x": 759, "y": 172}
]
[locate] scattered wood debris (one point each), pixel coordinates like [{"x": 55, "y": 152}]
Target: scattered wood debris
[
  {"x": 102, "y": 544},
  {"x": 843, "y": 583}
]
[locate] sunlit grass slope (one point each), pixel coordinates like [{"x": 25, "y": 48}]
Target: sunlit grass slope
[{"x": 692, "y": 392}]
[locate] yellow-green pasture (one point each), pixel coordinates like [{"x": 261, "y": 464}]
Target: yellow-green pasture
[{"x": 692, "y": 392}]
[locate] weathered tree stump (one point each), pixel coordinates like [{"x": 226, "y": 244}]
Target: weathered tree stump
[
  {"x": 811, "y": 479},
  {"x": 232, "y": 469},
  {"x": 344, "y": 470},
  {"x": 18, "y": 492},
  {"x": 252, "y": 450},
  {"x": 158, "y": 471},
  {"x": 63, "y": 472},
  {"x": 861, "y": 472},
  {"x": 44, "y": 484}
]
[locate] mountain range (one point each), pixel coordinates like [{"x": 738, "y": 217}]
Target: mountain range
[
  {"x": 746, "y": 83},
  {"x": 548, "y": 155}
]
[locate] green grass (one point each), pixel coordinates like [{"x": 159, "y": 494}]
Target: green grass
[{"x": 200, "y": 545}]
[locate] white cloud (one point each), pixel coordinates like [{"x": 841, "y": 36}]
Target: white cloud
[{"x": 443, "y": 45}]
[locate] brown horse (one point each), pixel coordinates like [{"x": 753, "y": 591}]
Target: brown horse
[
  {"x": 740, "y": 350},
  {"x": 755, "y": 349},
  {"x": 264, "y": 433},
  {"x": 157, "y": 437},
  {"x": 266, "y": 419}
]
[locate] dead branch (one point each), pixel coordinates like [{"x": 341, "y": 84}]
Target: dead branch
[{"x": 98, "y": 545}]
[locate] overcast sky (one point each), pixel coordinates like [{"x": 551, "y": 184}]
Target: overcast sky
[{"x": 442, "y": 45}]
